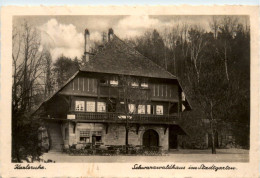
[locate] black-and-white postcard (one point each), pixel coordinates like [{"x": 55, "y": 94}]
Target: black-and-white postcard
[{"x": 130, "y": 91}]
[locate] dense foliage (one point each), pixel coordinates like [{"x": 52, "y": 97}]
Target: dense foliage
[{"x": 214, "y": 69}]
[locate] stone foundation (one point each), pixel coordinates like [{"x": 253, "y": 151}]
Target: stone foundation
[{"x": 115, "y": 134}]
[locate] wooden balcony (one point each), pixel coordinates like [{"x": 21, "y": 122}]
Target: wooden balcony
[{"x": 121, "y": 118}]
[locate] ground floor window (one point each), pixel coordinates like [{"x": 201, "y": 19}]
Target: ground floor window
[{"x": 84, "y": 136}]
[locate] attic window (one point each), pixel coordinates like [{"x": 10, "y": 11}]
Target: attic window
[
  {"x": 144, "y": 84},
  {"x": 114, "y": 81},
  {"x": 134, "y": 84}
]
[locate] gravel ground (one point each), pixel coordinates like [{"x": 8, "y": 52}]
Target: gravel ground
[{"x": 223, "y": 155}]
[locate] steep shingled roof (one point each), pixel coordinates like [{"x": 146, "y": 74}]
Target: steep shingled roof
[{"x": 119, "y": 58}]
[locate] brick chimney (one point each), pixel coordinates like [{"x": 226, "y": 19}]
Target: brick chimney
[
  {"x": 110, "y": 34},
  {"x": 86, "y": 47}
]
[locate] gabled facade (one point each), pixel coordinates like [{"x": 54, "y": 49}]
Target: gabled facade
[{"x": 93, "y": 106}]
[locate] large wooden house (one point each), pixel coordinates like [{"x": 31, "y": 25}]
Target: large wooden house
[{"x": 90, "y": 108}]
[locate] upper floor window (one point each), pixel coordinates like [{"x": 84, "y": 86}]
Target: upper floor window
[
  {"x": 114, "y": 81},
  {"x": 144, "y": 84},
  {"x": 91, "y": 106},
  {"x": 101, "y": 107},
  {"x": 148, "y": 109},
  {"x": 79, "y": 106},
  {"x": 134, "y": 84},
  {"x": 141, "y": 109},
  {"x": 131, "y": 108},
  {"x": 103, "y": 81},
  {"x": 159, "y": 109}
]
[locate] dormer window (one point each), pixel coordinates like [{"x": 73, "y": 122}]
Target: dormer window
[{"x": 114, "y": 81}]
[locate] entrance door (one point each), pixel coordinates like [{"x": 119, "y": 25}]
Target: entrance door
[
  {"x": 150, "y": 138},
  {"x": 173, "y": 141},
  {"x": 173, "y": 137}
]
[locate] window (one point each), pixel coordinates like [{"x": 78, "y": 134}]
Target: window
[
  {"x": 114, "y": 81},
  {"x": 144, "y": 85},
  {"x": 101, "y": 107},
  {"x": 103, "y": 81},
  {"x": 79, "y": 106},
  {"x": 134, "y": 84},
  {"x": 84, "y": 136},
  {"x": 159, "y": 109},
  {"x": 141, "y": 109},
  {"x": 91, "y": 106},
  {"x": 148, "y": 109},
  {"x": 131, "y": 108}
]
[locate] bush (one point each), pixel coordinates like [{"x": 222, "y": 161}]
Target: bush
[{"x": 114, "y": 150}]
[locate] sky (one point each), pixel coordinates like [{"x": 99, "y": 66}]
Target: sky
[{"x": 63, "y": 35}]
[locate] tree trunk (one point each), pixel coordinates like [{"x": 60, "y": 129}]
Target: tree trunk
[
  {"x": 226, "y": 69},
  {"x": 213, "y": 148},
  {"x": 126, "y": 139},
  {"x": 225, "y": 60}
]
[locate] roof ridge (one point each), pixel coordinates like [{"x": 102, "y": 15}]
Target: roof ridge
[{"x": 147, "y": 58}]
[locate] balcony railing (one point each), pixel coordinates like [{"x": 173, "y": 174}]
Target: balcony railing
[{"x": 121, "y": 118}]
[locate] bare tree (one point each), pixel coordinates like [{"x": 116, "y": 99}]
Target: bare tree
[
  {"x": 131, "y": 96},
  {"x": 27, "y": 65},
  {"x": 228, "y": 25},
  {"x": 27, "y": 69},
  {"x": 196, "y": 45},
  {"x": 214, "y": 25}
]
